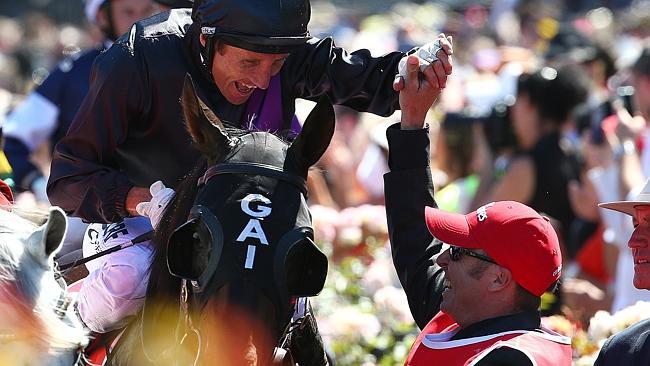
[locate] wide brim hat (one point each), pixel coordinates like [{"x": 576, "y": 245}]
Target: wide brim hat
[{"x": 627, "y": 207}]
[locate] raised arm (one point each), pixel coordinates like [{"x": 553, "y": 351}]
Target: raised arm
[
  {"x": 409, "y": 189},
  {"x": 355, "y": 79}
]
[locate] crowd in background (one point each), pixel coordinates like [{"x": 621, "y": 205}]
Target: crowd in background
[{"x": 547, "y": 105}]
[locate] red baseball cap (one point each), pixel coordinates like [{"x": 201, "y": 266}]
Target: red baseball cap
[
  {"x": 511, "y": 233},
  {"x": 6, "y": 196}
]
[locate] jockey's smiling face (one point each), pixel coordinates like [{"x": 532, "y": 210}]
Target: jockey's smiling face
[
  {"x": 238, "y": 72},
  {"x": 640, "y": 244}
]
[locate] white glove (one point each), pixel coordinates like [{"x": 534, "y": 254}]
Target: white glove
[
  {"x": 426, "y": 54},
  {"x": 38, "y": 188},
  {"x": 154, "y": 209}
]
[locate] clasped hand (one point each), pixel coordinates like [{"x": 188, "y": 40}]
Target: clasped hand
[{"x": 425, "y": 76}]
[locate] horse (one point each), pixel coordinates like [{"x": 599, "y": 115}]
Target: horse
[
  {"x": 235, "y": 257},
  {"x": 38, "y": 326}
]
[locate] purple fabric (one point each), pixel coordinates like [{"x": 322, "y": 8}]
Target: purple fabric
[{"x": 264, "y": 109}]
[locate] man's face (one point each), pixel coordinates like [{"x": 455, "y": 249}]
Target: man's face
[
  {"x": 465, "y": 283},
  {"x": 127, "y": 12},
  {"x": 640, "y": 244},
  {"x": 238, "y": 72}
]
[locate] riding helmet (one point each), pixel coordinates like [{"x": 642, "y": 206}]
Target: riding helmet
[{"x": 266, "y": 26}]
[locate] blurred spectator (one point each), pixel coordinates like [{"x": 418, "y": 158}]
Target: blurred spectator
[
  {"x": 47, "y": 112},
  {"x": 617, "y": 173},
  {"x": 456, "y": 158},
  {"x": 640, "y": 80},
  {"x": 630, "y": 347},
  {"x": 541, "y": 115}
]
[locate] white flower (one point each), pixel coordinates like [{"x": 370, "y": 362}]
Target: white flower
[
  {"x": 349, "y": 236},
  {"x": 349, "y": 323},
  {"x": 325, "y": 221},
  {"x": 600, "y": 325},
  {"x": 373, "y": 219},
  {"x": 392, "y": 304}
]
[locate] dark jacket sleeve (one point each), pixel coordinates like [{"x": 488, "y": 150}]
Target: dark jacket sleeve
[
  {"x": 356, "y": 79},
  {"x": 84, "y": 178},
  {"x": 408, "y": 190},
  {"x": 601, "y": 360}
]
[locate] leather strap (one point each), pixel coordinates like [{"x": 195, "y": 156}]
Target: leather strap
[{"x": 254, "y": 169}]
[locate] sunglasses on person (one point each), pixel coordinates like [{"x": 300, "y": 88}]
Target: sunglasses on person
[{"x": 457, "y": 252}]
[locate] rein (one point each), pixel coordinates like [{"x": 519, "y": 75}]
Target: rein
[
  {"x": 137, "y": 240},
  {"x": 186, "y": 325},
  {"x": 254, "y": 169}
]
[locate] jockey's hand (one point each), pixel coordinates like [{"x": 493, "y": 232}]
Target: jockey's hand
[
  {"x": 435, "y": 63},
  {"x": 154, "y": 209},
  {"x": 421, "y": 78}
]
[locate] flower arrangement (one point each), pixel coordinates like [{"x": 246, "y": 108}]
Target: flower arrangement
[
  {"x": 587, "y": 343},
  {"x": 362, "y": 312},
  {"x": 363, "y": 317},
  {"x": 353, "y": 231}
]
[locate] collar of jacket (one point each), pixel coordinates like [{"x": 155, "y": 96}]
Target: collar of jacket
[{"x": 528, "y": 320}]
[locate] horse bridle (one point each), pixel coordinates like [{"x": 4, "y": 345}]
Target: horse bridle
[
  {"x": 185, "y": 320},
  {"x": 254, "y": 169}
]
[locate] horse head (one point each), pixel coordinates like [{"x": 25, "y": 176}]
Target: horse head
[
  {"x": 36, "y": 326},
  {"x": 244, "y": 249}
]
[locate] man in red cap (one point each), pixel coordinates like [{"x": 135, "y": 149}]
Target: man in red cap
[
  {"x": 631, "y": 346},
  {"x": 476, "y": 302}
]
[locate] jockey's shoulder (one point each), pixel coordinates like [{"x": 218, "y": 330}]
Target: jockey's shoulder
[
  {"x": 170, "y": 23},
  {"x": 159, "y": 36}
]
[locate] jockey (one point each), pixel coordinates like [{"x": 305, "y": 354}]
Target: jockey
[
  {"x": 47, "y": 112},
  {"x": 249, "y": 60}
]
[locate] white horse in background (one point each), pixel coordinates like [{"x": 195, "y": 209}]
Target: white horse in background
[{"x": 37, "y": 325}]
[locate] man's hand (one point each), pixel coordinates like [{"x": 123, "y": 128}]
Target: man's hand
[
  {"x": 435, "y": 60},
  {"x": 420, "y": 89},
  {"x": 154, "y": 209}
]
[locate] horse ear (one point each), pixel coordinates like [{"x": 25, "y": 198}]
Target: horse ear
[
  {"x": 316, "y": 134},
  {"x": 203, "y": 125},
  {"x": 48, "y": 237}
]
